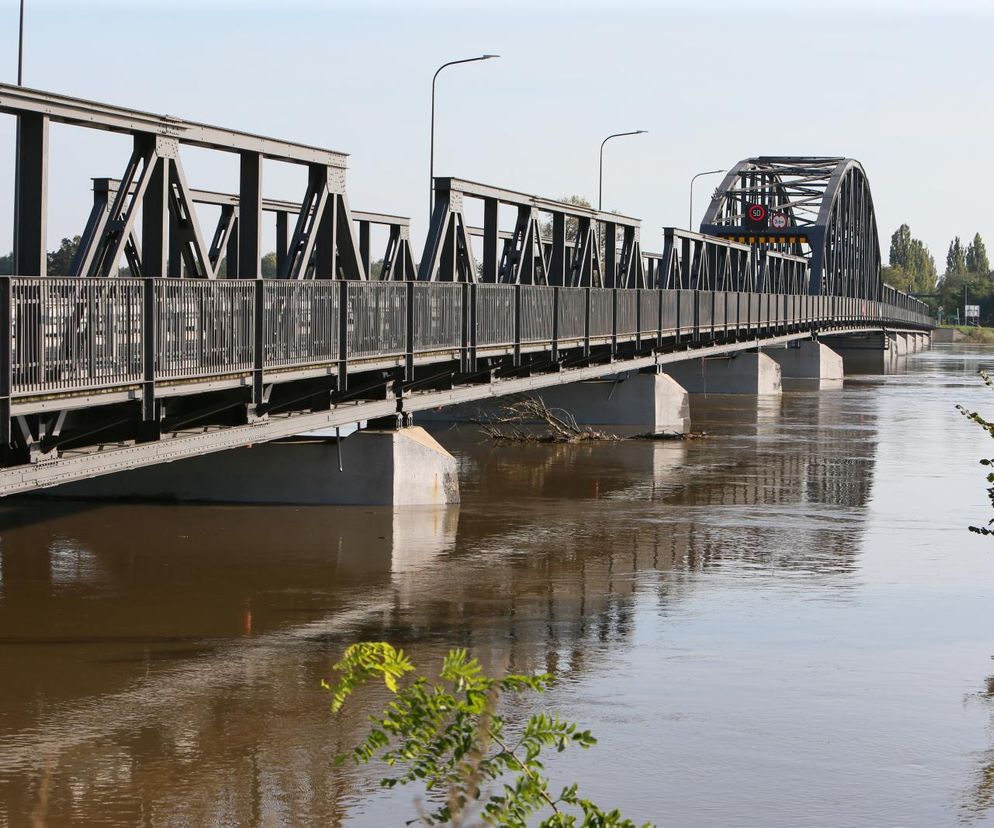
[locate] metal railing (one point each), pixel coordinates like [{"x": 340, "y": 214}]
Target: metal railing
[
  {"x": 300, "y": 323},
  {"x": 202, "y": 327},
  {"x": 71, "y": 334},
  {"x": 75, "y": 335}
]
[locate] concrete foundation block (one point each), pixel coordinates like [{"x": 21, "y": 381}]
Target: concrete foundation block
[
  {"x": 747, "y": 373},
  {"x": 407, "y": 467},
  {"x": 650, "y": 402},
  {"x": 812, "y": 364},
  {"x": 874, "y": 353},
  {"x": 946, "y": 335}
]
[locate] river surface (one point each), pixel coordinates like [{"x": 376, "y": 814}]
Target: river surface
[{"x": 784, "y": 624}]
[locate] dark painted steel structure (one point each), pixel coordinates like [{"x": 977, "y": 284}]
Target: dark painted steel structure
[
  {"x": 110, "y": 369},
  {"x": 817, "y": 207}
]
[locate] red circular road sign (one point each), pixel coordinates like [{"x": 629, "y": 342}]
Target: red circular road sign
[
  {"x": 779, "y": 221},
  {"x": 756, "y": 212}
]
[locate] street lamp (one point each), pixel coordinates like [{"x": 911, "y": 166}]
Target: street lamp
[
  {"x": 600, "y": 174},
  {"x": 690, "y": 218},
  {"x": 431, "y": 163},
  {"x": 20, "y": 47}
]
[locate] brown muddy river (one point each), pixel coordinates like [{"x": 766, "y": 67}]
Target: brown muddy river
[{"x": 785, "y": 624}]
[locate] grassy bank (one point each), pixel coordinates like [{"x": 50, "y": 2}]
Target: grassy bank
[{"x": 974, "y": 334}]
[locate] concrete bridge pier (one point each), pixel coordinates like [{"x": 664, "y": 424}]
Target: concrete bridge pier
[
  {"x": 391, "y": 467},
  {"x": 808, "y": 364},
  {"x": 877, "y": 353},
  {"x": 652, "y": 402},
  {"x": 751, "y": 373}
]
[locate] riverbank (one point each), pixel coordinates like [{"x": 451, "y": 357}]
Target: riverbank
[{"x": 970, "y": 334}]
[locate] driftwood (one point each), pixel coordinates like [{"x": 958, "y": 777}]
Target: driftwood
[{"x": 530, "y": 420}]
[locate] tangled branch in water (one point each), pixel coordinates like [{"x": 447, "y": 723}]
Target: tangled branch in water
[{"x": 531, "y": 420}]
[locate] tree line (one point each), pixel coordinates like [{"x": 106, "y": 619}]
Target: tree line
[{"x": 967, "y": 273}]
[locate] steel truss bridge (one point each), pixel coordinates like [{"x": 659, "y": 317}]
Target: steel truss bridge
[{"x": 110, "y": 369}]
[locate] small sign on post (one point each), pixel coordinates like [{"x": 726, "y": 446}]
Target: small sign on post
[{"x": 971, "y": 313}]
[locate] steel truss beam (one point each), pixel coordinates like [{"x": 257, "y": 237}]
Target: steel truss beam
[
  {"x": 397, "y": 260},
  {"x": 155, "y": 182},
  {"x": 19, "y": 100},
  {"x": 551, "y": 243},
  {"x": 830, "y": 218}
]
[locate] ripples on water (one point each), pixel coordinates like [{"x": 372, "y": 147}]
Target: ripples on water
[{"x": 785, "y": 624}]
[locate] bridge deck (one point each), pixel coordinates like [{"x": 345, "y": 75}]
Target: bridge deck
[{"x": 106, "y": 375}]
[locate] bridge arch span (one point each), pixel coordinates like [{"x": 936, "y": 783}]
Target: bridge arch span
[{"x": 819, "y": 207}]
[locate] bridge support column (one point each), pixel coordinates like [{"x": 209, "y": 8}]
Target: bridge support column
[
  {"x": 651, "y": 402},
  {"x": 403, "y": 467},
  {"x": 874, "y": 353},
  {"x": 747, "y": 373},
  {"x": 811, "y": 365},
  {"x": 899, "y": 344}
]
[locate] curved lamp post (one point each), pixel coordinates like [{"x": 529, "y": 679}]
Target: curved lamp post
[
  {"x": 20, "y": 47},
  {"x": 431, "y": 163},
  {"x": 690, "y": 218},
  {"x": 600, "y": 173}
]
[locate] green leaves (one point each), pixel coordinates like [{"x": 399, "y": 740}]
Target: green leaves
[
  {"x": 450, "y": 736},
  {"x": 987, "y": 426},
  {"x": 360, "y": 663}
]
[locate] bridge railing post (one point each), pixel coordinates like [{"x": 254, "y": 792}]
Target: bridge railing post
[
  {"x": 409, "y": 337},
  {"x": 472, "y": 323},
  {"x": 150, "y": 420},
  {"x": 6, "y": 369},
  {"x": 259, "y": 348},
  {"x": 517, "y": 325},
  {"x": 343, "y": 334},
  {"x": 659, "y": 317},
  {"x": 465, "y": 359},
  {"x": 614, "y": 322},
  {"x": 555, "y": 323},
  {"x": 586, "y": 322}
]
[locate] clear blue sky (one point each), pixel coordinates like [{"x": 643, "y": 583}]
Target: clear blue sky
[{"x": 904, "y": 87}]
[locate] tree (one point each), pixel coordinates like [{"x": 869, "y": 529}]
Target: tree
[
  {"x": 897, "y": 277},
  {"x": 976, "y": 257},
  {"x": 7, "y": 264},
  {"x": 955, "y": 257},
  {"x": 572, "y": 225},
  {"x": 449, "y": 735},
  {"x": 912, "y": 267},
  {"x": 269, "y": 266},
  {"x": 60, "y": 260},
  {"x": 900, "y": 246}
]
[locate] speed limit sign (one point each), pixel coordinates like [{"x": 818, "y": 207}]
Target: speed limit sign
[{"x": 757, "y": 212}]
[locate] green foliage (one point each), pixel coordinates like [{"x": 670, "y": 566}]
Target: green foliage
[
  {"x": 449, "y": 735},
  {"x": 979, "y": 290},
  {"x": 60, "y": 259},
  {"x": 572, "y": 225},
  {"x": 269, "y": 266},
  {"x": 912, "y": 267},
  {"x": 955, "y": 258},
  {"x": 976, "y": 257},
  {"x": 7, "y": 264},
  {"x": 987, "y": 426}
]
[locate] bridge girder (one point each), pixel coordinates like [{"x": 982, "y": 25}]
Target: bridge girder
[{"x": 827, "y": 215}]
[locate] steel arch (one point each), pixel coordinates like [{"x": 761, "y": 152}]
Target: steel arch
[{"x": 829, "y": 218}]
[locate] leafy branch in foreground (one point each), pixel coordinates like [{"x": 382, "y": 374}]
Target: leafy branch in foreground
[
  {"x": 450, "y": 736},
  {"x": 987, "y": 426}
]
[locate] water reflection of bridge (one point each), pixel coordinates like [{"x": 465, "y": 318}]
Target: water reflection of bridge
[{"x": 181, "y": 673}]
